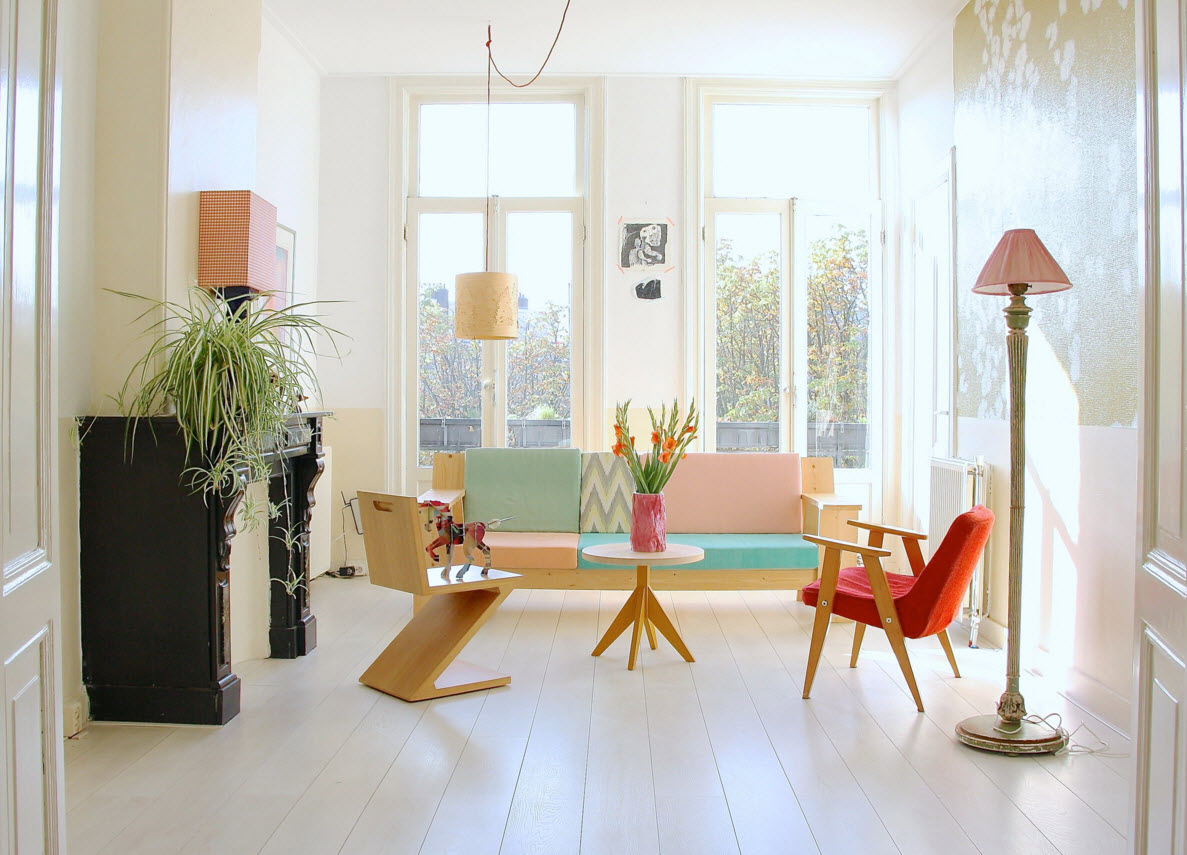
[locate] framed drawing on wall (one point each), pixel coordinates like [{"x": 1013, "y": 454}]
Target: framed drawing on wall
[{"x": 286, "y": 253}]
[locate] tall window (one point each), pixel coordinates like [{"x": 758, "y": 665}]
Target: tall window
[
  {"x": 520, "y": 392},
  {"x": 792, "y": 262}
]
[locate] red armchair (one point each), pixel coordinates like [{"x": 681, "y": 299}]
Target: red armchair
[{"x": 914, "y": 606}]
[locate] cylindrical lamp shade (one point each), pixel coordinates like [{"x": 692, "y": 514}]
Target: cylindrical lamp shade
[
  {"x": 1021, "y": 258},
  {"x": 236, "y": 240},
  {"x": 487, "y": 306}
]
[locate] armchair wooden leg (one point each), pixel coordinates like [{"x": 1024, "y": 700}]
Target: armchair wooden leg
[
  {"x": 419, "y": 663},
  {"x": 824, "y": 610},
  {"x": 946, "y": 643},
  {"x": 859, "y": 632},
  {"x": 894, "y": 631}
]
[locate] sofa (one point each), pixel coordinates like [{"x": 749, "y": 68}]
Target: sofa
[{"x": 747, "y": 511}]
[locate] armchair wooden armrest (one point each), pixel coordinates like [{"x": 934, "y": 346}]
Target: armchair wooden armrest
[
  {"x": 904, "y": 533},
  {"x": 847, "y": 546}
]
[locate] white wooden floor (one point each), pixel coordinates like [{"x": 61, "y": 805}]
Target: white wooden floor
[{"x": 580, "y": 755}]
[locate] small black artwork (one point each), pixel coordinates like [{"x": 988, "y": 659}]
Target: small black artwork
[
  {"x": 644, "y": 244},
  {"x": 649, "y": 290}
]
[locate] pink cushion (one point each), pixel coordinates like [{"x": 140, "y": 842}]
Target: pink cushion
[{"x": 735, "y": 494}]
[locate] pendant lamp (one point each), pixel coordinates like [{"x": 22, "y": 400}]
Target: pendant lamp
[{"x": 486, "y": 304}]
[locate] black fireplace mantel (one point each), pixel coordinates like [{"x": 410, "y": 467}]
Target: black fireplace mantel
[{"x": 155, "y": 570}]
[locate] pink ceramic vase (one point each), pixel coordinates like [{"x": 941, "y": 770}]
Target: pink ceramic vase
[{"x": 649, "y": 523}]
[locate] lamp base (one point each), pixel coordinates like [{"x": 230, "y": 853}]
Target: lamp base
[{"x": 988, "y": 733}]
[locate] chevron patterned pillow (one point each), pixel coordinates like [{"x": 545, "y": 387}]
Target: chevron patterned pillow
[{"x": 606, "y": 489}]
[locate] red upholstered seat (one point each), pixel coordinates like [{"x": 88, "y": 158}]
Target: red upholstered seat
[
  {"x": 854, "y": 599},
  {"x": 926, "y": 603}
]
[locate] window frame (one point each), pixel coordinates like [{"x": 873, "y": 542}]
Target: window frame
[
  {"x": 586, "y": 310},
  {"x": 700, "y": 321}
]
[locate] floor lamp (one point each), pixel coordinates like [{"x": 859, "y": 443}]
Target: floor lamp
[{"x": 1019, "y": 265}]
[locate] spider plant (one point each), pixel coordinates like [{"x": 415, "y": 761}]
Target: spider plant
[{"x": 233, "y": 375}]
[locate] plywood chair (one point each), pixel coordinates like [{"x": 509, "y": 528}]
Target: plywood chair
[
  {"x": 914, "y": 606},
  {"x": 419, "y": 663}
]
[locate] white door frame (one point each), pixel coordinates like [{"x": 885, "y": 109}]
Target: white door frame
[{"x": 1159, "y": 797}]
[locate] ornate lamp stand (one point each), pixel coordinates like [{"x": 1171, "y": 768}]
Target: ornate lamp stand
[{"x": 1020, "y": 264}]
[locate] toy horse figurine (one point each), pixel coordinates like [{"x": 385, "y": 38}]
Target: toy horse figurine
[{"x": 469, "y": 536}]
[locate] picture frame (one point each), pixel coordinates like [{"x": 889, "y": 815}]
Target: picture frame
[{"x": 286, "y": 255}]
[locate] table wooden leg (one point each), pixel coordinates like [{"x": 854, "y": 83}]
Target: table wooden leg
[
  {"x": 643, "y": 613},
  {"x": 657, "y": 614},
  {"x": 640, "y": 620},
  {"x": 621, "y": 621}
]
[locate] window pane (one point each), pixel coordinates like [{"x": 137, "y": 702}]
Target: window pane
[
  {"x": 778, "y": 151},
  {"x": 838, "y": 339},
  {"x": 449, "y": 370},
  {"x": 539, "y": 362},
  {"x": 533, "y": 150},
  {"x": 748, "y": 271}
]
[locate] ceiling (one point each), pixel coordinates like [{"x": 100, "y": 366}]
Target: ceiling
[{"x": 807, "y": 39}]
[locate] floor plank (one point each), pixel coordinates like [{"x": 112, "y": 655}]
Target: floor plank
[{"x": 580, "y": 755}]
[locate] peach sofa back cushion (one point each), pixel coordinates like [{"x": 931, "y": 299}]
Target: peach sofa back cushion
[{"x": 735, "y": 494}]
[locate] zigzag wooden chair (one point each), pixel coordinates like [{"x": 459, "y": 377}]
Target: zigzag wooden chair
[
  {"x": 419, "y": 664},
  {"x": 914, "y": 606}
]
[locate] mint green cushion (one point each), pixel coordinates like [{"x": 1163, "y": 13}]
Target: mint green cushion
[
  {"x": 727, "y": 551},
  {"x": 540, "y": 487}
]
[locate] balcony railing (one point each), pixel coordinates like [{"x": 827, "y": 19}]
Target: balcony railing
[{"x": 846, "y": 443}]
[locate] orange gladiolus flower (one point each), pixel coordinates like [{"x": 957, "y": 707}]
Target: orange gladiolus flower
[
  {"x": 655, "y": 437},
  {"x": 617, "y": 449},
  {"x": 689, "y": 429},
  {"x": 669, "y": 443},
  {"x": 665, "y": 457},
  {"x": 618, "y": 431},
  {"x": 632, "y": 441},
  {"x": 682, "y": 456}
]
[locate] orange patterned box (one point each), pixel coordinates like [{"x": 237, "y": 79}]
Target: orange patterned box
[{"x": 236, "y": 240}]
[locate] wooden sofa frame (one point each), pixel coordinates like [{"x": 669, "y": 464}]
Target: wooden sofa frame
[{"x": 825, "y": 514}]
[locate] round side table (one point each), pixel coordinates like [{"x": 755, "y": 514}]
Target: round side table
[{"x": 642, "y": 609}]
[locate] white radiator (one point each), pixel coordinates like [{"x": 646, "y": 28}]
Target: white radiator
[{"x": 957, "y": 485}]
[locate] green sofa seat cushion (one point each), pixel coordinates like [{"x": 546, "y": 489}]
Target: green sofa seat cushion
[
  {"x": 540, "y": 488},
  {"x": 725, "y": 551}
]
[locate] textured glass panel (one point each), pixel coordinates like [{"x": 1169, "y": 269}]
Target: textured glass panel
[
  {"x": 539, "y": 362},
  {"x": 449, "y": 370},
  {"x": 533, "y": 150},
  {"x": 747, "y": 278},
  {"x": 777, "y": 151},
  {"x": 838, "y": 339}
]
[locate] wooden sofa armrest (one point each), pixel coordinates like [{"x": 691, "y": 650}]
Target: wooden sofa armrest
[
  {"x": 846, "y": 546},
  {"x": 453, "y": 498},
  {"x": 904, "y": 533},
  {"x": 828, "y": 501}
]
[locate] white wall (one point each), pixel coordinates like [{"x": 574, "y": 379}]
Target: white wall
[
  {"x": 925, "y": 137},
  {"x": 352, "y": 267},
  {"x": 644, "y": 166},
  {"x": 78, "y": 50},
  {"x": 288, "y": 146}
]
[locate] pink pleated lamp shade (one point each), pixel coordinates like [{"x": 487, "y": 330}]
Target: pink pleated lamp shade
[{"x": 1020, "y": 257}]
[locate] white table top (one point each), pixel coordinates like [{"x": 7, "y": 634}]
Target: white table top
[{"x": 621, "y": 553}]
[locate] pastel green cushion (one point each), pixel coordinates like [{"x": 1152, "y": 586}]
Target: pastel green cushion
[
  {"x": 727, "y": 551},
  {"x": 540, "y": 488}
]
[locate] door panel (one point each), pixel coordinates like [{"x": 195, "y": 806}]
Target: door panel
[
  {"x": 449, "y": 370},
  {"x": 30, "y": 790},
  {"x": 494, "y": 393},
  {"x": 748, "y": 341},
  {"x": 541, "y": 372}
]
